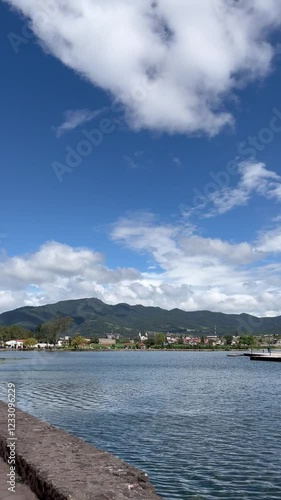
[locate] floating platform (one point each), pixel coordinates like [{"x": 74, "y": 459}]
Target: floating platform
[
  {"x": 266, "y": 357},
  {"x": 249, "y": 354}
]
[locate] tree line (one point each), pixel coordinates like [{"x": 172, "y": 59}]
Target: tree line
[{"x": 47, "y": 332}]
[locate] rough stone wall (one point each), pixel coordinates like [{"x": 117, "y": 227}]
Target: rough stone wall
[{"x": 58, "y": 466}]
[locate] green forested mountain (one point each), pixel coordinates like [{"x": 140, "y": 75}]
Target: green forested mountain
[{"x": 92, "y": 316}]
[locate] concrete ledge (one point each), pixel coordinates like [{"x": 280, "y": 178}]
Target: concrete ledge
[{"x": 58, "y": 466}]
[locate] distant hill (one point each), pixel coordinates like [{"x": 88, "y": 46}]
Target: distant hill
[{"x": 92, "y": 316}]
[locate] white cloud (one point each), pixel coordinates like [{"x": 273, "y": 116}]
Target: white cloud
[
  {"x": 270, "y": 241},
  {"x": 57, "y": 272},
  {"x": 172, "y": 63},
  {"x": 204, "y": 273},
  {"x": 75, "y": 118},
  {"x": 240, "y": 253},
  {"x": 186, "y": 271},
  {"x": 217, "y": 198},
  {"x": 255, "y": 179}
]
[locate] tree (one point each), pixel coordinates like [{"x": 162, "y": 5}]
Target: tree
[
  {"x": 94, "y": 340},
  {"x": 150, "y": 342},
  {"x": 77, "y": 341},
  {"x": 39, "y": 333},
  {"x": 31, "y": 342},
  {"x": 160, "y": 339},
  {"x": 247, "y": 341},
  {"x": 13, "y": 332},
  {"x": 228, "y": 339},
  {"x": 52, "y": 329}
]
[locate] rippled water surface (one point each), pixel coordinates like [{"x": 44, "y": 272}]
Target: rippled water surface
[{"x": 203, "y": 426}]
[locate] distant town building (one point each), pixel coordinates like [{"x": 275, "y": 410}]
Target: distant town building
[
  {"x": 213, "y": 340},
  {"x": 63, "y": 341},
  {"x": 14, "y": 344},
  {"x": 172, "y": 340},
  {"x": 144, "y": 337},
  {"x": 107, "y": 342},
  {"x": 112, "y": 336},
  {"x": 191, "y": 340}
]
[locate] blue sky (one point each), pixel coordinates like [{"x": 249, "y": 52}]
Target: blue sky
[{"x": 170, "y": 207}]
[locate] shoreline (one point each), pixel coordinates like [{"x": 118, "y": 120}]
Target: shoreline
[
  {"x": 138, "y": 350},
  {"x": 120, "y": 350}
]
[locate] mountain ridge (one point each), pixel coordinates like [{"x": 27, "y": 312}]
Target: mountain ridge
[{"x": 93, "y": 316}]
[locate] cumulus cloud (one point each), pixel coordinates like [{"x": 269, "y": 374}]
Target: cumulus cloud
[
  {"x": 186, "y": 271},
  {"x": 57, "y": 272},
  {"x": 205, "y": 273},
  {"x": 172, "y": 63},
  {"x": 270, "y": 241},
  {"x": 75, "y": 118}
]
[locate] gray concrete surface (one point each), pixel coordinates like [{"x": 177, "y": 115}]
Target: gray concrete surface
[
  {"x": 22, "y": 491},
  {"x": 58, "y": 466}
]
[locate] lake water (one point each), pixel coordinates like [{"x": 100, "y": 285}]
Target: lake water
[{"x": 202, "y": 425}]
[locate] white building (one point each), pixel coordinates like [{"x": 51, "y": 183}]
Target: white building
[
  {"x": 144, "y": 337},
  {"x": 63, "y": 341},
  {"x": 43, "y": 345},
  {"x": 172, "y": 340},
  {"x": 14, "y": 344}
]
